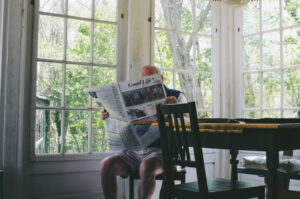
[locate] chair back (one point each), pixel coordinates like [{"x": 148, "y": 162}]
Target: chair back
[{"x": 176, "y": 137}]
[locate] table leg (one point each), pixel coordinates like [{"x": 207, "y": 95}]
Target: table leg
[
  {"x": 272, "y": 165},
  {"x": 234, "y": 162}
]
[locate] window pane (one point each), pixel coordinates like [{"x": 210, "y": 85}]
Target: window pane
[
  {"x": 78, "y": 40},
  {"x": 292, "y": 114},
  {"x": 47, "y": 131},
  {"x": 105, "y": 44},
  {"x": 184, "y": 52},
  {"x": 80, "y": 8},
  {"x": 270, "y": 14},
  {"x": 184, "y": 83},
  {"x": 291, "y": 95},
  {"x": 271, "y": 114},
  {"x": 185, "y": 15},
  {"x": 99, "y": 142},
  {"x": 291, "y": 46},
  {"x": 203, "y": 54},
  {"x": 251, "y": 53},
  {"x": 203, "y": 91},
  {"x": 48, "y": 84},
  {"x": 163, "y": 42},
  {"x": 164, "y": 13},
  {"x": 271, "y": 89},
  {"x": 251, "y": 17},
  {"x": 102, "y": 76},
  {"x": 50, "y": 40},
  {"x": 271, "y": 50},
  {"x": 252, "y": 90},
  {"x": 77, "y": 80},
  {"x": 203, "y": 16},
  {"x": 168, "y": 79},
  {"x": 76, "y": 128},
  {"x": 252, "y": 114},
  {"x": 53, "y": 6},
  {"x": 290, "y": 12},
  {"x": 106, "y": 10}
]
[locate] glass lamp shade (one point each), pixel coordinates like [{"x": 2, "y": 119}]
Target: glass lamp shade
[{"x": 236, "y": 3}]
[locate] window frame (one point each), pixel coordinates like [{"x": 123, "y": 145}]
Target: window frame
[
  {"x": 120, "y": 23},
  {"x": 216, "y": 55},
  {"x": 239, "y": 63}
]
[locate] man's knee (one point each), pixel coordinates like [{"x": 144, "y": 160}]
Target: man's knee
[
  {"x": 113, "y": 165},
  {"x": 150, "y": 168}
]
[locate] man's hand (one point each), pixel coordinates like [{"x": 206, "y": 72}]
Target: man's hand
[
  {"x": 103, "y": 114},
  {"x": 171, "y": 100}
]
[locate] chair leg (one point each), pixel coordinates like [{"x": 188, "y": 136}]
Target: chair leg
[
  {"x": 162, "y": 190},
  {"x": 262, "y": 194},
  {"x": 131, "y": 187}
]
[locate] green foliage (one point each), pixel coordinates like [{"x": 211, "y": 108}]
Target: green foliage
[{"x": 271, "y": 81}]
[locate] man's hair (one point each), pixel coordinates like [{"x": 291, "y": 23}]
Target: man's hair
[{"x": 158, "y": 70}]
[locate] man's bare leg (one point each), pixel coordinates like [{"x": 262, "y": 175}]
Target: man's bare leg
[
  {"x": 149, "y": 169},
  {"x": 110, "y": 168}
]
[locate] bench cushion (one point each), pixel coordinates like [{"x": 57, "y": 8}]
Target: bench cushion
[{"x": 288, "y": 164}]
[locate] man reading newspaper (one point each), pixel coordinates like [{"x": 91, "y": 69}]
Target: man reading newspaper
[{"x": 147, "y": 160}]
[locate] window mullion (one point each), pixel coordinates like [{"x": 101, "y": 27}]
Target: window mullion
[
  {"x": 281, "y": 61},
  {"x": 91, "y": 78},
  {"x": 194, "y": 50},
  {"x": 174, "y": 42},
  {"x": 63, "y": 134},
  {"x": 261, "y": 58}
]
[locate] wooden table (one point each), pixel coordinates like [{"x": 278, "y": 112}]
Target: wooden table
[
  {"x": 282, "y": 136},
  {"x": 270, "y": 135}
]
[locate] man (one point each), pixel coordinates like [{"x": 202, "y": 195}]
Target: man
[{"x": 148, "y": 161}]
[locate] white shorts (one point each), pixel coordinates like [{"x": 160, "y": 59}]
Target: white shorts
[{"x": 134, "y": 156}]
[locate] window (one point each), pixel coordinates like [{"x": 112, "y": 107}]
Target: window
[
  {"x": 271, "y": 60},
  {"x": 75, "y": 49},
  {"x": 182, "y": 48}
]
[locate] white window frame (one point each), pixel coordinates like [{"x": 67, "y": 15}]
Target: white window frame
[
  {"x": 120, "y": 24},
  {"x": 1, "y": 78},
  {"x": 239, "y": 65},
  {"x": 215, "y": 45}
]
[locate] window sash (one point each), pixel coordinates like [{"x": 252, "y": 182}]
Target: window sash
[
  {"x": 281, "y": 69},
  {"x": 34, "y": 107},
  {"x": 214, "y": 36}
]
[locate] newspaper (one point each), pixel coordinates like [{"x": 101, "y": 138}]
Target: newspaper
[{"x": 126, "y": 102}]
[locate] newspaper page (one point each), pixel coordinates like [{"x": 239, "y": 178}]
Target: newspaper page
[
  {"x": 108, "y": 96},
  {"x": 119, "y": 134},
  {"x": 140, "y": 96},
  {"x": 128, "y": 101}
]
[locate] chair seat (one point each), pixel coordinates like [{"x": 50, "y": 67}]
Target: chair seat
[{"x": 218, "y": 187}]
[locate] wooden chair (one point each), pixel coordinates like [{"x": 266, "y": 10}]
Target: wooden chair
[
  {"x": 175, "y": 142},
  {"x": 179, "y": 174},
  {"x": 1, "y": 183}
]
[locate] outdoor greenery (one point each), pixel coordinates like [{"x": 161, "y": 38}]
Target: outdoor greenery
[
  {"x": 187, "y": 49},
  {"x": 71, "y": 96},
  {"x": 285, "y": 71}
]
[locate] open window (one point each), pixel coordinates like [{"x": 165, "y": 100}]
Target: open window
[
  {"x": 75, "y": 47},
  {"x": 182, "y": 48},
  {"x": 271, "y": 59}
]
